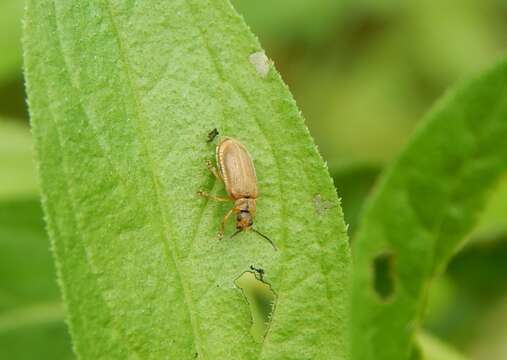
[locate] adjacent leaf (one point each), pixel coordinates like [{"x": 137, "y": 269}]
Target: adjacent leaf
[
  {"x": 17, "y": 173},
  {"x": 31, "y": 313},
  {"x": 426, "y": 204},
  {"x": 122, "y": 95}
]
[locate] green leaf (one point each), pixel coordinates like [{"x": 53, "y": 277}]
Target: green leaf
[
  {"x": 10, "y": 39},
  {"x": 122, "y": 95},
  {"x": 426, "y": 204},
  {"x": 31, "y": 313},
  {"x": 17, "y": 174}
]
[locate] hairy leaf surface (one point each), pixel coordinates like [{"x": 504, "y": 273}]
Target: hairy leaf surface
[{"x": 122, "y": 95}]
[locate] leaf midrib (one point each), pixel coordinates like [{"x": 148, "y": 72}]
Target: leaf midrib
[
  {"x": 190, "y": 309},
  {"x": 189, "y": 303}
]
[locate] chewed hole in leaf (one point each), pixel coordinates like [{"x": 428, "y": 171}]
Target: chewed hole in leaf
[
  {"x": 261, "y": 300},
  {"x": 383, "y": 271}
]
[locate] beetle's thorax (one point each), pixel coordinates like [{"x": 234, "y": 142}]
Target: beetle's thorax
[
  {"x": 245, "y": 205},
  {"x": 245, "y": 209}
]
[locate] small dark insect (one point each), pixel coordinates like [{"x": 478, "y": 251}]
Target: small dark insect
[
  {"x": 259, "y": 271},
  {"x": 212, "y": 135},
  {"x": 236, "y": 170}
]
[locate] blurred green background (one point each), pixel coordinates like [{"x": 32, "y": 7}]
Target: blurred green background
[{"x": 363, "y": 72}]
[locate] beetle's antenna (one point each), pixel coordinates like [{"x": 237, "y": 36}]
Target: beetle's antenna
[
  {"x": 236, "y": 233},
  {"x": 265, "y": 237}
]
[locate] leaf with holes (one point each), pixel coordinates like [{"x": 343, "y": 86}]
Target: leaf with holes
[
  {"x": 424, "y": 207},
  {"x": 122, "y": 96}
]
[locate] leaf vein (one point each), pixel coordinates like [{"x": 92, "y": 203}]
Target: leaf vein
[{"x": 173, "y": 253}]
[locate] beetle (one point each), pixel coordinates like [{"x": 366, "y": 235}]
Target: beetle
[{"x": 237, "y": 171}]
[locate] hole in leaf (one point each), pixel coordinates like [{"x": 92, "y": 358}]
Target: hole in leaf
[
  {"x": 261, "y": 299},
  {"x": 383, "y": 267}
]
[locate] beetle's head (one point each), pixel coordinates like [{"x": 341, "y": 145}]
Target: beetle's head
[{"x": 244, "y": 220}]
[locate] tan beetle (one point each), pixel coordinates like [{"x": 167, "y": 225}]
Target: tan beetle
[{"x": 237, "y": 171}]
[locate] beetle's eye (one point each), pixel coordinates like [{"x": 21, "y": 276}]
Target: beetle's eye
[{"x": 250, "y": 222}]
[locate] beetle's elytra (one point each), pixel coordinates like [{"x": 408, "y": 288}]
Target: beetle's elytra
[{"x": 237, "y": 171}]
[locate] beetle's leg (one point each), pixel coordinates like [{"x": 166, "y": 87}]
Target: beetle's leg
[
  {"x": 224, "y": 221},
  {"x": 213, "y": 197},
  {"x": 214, "y": 170}
]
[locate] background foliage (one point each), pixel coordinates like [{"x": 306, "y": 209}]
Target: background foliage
[{"x": 363, "y": 72}]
